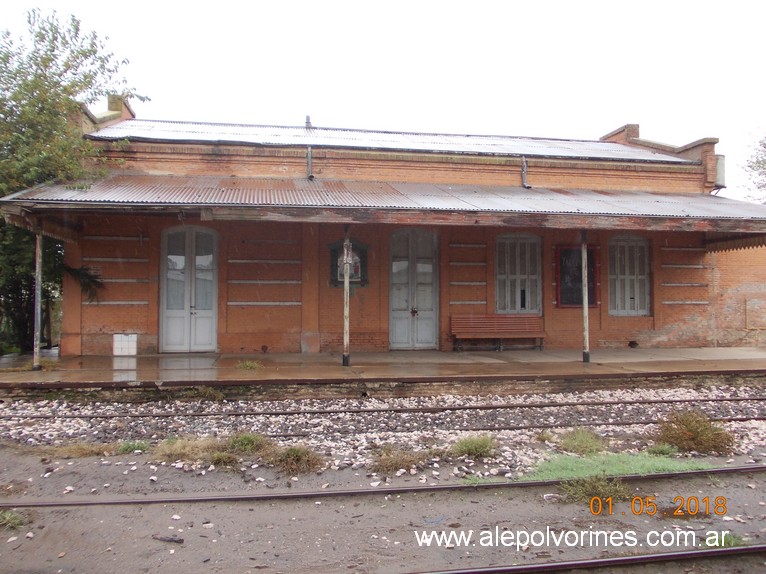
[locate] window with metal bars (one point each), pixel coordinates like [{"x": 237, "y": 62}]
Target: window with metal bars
[
  {"x": 629, "y": 276},
  {"x": 517, "y": 271}
]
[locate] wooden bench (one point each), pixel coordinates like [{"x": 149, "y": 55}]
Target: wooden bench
[{"x": 497, "y": 327}]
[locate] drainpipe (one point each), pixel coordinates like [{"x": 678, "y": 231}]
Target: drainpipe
[
  {"x": 309, "y": 156},
  {"x": 524, "y": 182},
  {"x": 585, "y": 326},
  {"x": 38, "y": 299}
]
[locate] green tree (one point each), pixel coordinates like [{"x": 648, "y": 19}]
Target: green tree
[
  {"x": 756, "y": 165},
  {"x": 45, "y": 77}
]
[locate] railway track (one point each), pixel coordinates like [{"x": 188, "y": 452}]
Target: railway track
[
  {"x": 388, "y": 410},
  {"x": 356, "y": 492},
  {"x": 333, "y": 422},
  {"x": 357, "y": 420},
  {"x": 625, "y": 563}
]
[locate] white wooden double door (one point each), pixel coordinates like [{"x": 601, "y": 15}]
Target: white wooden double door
[
  {"x": 413, "y": 317},
  {"x": 188, "y": 317}
]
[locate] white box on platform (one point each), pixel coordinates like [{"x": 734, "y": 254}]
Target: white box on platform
[{"x": 125, "y": 344}]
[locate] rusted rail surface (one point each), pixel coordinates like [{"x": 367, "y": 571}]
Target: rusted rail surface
[
  {"x": 615, "y": 562},
  {"x": 312, "y": 495},
  {"x": 393, "y": 410}
]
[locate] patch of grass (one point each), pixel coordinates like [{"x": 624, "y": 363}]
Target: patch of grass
[
  {"x": 389, "y": 459},
  {"x": 479, "y": 446},
  {"x": 292, "y": 460},
  {"x": 171, "y": 450},
  {"x": 223, "y": 459},
  {"x": 694, "y": 431},
  {"x": 248, "y": 443},
  {"x": 582, "y": 441},
  {"x": 296, "y": 460},
  {"x": 584, "y": 489},
  {"x": 729, "y": 540},
  {"x": 662, "y": 449},
  {"x": 130, "y": 446},
  {"x": 567, "y": 467},
  {"x": 11, "y": 520},
  {"x": 474, "y": 480},
  {"x": 249, "y": 365}
]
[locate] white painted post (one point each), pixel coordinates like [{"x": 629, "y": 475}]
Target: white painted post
[
  {"x": 38, "y": 300},
  {"x": 585, "y": 325},
  {"x": 347, "y": 260}
]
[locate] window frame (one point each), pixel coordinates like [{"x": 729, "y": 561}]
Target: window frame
[
  {"x": 594, "y": 274},
  {"x": 631, "y": 242},
  {"x": 515, "y": 239}
]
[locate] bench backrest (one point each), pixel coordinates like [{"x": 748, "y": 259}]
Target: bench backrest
[{"x": 495, "y": 323}]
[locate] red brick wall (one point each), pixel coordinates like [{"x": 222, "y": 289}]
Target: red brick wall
[
  {"x": 739, "y": 294},
  {"x": 285, "y": 269}
]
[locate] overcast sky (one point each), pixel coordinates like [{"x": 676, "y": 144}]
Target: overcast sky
[{"x": 683, "y": 70}]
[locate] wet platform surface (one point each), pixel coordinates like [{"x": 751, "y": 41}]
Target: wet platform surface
[{"x": 415, "y": 366}]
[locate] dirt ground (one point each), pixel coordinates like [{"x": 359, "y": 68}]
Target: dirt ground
[{"x": 348, "y": 534}]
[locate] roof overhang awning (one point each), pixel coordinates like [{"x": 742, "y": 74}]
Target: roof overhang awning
[{"x": 55, "y": 209}]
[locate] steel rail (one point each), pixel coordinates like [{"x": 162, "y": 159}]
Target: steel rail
[
  {"x": 385, "y": 491},
  {"x": 596, "y": 424},
  {"x": 524, "y": 427},
  {"x": 424, "y": 410},
  {"x": 617, "y": 561}
]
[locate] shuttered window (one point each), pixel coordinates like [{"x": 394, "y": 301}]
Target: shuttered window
[
  {"x": 629, "y": 276},
  {"x": 518, "y": 274}
]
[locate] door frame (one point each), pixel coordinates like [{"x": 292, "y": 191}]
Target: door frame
[
  {"x": 434, "y": 286},
  {"x": 190, "y": 231}
]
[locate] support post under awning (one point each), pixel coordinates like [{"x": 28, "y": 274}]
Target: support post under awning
[
  {"x": 38, "y": 300},
  {"x": 347, "y": 259},
  {"x": 585, "y": 325}
]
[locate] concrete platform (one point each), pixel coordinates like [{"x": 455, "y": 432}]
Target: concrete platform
[{"x": 398, "y": 366}]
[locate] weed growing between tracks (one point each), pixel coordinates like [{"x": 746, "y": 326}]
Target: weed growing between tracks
[
  {"x": 662, "y": 449},
  {"x": 11, "y": 520},
  {"x": 390, "y": 459},
  {"x": 481, "y": 446},
  {"x": 296, "y": 460},
  {"x": 731, "y": 540},
  {"x": 694, "y": 431},
  {"x": 131, "y": 446},
  {"x": 584, "y": 489},
  {"x": 582, "y": 441},
  {"x": 225, "y": 453}
]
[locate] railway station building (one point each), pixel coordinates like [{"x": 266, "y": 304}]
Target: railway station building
[{"x": 229, "y": 239}]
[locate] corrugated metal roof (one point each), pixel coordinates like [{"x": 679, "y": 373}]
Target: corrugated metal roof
[
  {"x": 208, "y": 191},
  {"x": 153, "y": 130}
]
